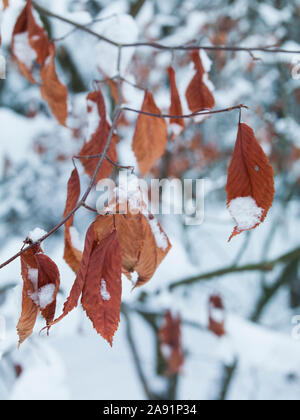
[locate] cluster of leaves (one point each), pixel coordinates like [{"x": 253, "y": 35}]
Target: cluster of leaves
[{"x": 117, "y": 244}]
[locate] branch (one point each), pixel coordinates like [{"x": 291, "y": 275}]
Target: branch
[
  {"x": 158, "y": 45},
  {"x": 138, "y": 365},
  {"x": 81, "y": 202},
  {"x": 194, "y": 114},
  {"x": 262, "y": 266}
]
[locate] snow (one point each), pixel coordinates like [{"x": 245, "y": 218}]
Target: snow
[
  {"x": 160, "y": 237},
  {"x": 23, "y": 50},
  {"x": 245, "y": 212},
  {"x": 33, "y": 277},
  {"x": 36, "y": 234},
  {"x": 2, "y": 67},
  {"x": 103, "y": 290},
  {"x": 44, "y": 296},
  {"x": 75, "y": 239},
  {"x": 123, "y": 29}
]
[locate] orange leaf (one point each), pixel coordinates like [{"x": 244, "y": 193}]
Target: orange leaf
[
  {"x": 150, "y": 137},
  {"x": 28, "y": 31},
  {"x": 170, "y": 342},
  {"x": 5, "y": 4},
  {"x": 72, "y": 255},
  {"x": 176, "y": 107},
  {"x": 30, "y": 310},
  {"x": 156, "y": 246},
  {"x": 48, "y": 281},
  {"x": 101, "y": 296},
  {"x": 250, "y": 184},
  {"x": 77, "y": 287},
  {"x": 198, "y": 95},
  {"x": 98, "y": 141},
  {"x": 216, "y": 326},
  {"x": 52, "y": 90},
  {"x": 142, "y": 251}
]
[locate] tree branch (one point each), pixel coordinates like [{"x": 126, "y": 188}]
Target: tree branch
[
  {"x": 262, "y": 266},
  {"x": 81, "y": 202},
  {"x": 194, "y": 114},
  {"x": 158, "y": 45}
]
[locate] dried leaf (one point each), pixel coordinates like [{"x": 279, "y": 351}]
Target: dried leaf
[
  {"x": 140, "y": 251},
  {"x": 36, "y": 38},
  {"x": 150, "y": 137},
  {"x": 48, "y": 274},
  {"x": 72, "y": 255},
  {"x": 29, "y": 309},
  {"x": 251, "y": 176},
  {"x": 216, "y": 316},
  {"x": 101, "y": 296},
  {"x": 98, "y": 141},
  {"x": 5, "y": 4},
  {"x": 176, "y": 107},
  {"x": 52, "y": 90},
  {"x": 78, "y": 285},
  {"x": 170, "y": 342},
  {"x": 130, "y": 233},
  {"x": 198, "y": 95}
]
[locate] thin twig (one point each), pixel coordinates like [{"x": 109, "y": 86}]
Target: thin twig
[
  {"x": 81, "y": 203},
  {"x": 137, "y": 362},
  {"x": 194, "y": 114},
  {"x": 262, "y": 266},
  {"x": 158, "y": 45}
]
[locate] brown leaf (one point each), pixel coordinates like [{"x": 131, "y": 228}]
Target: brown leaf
[
  {"x": 198, "y": 95},
  {"x": 48, "y": 274},
  {"x": 176, "y": 107},
  {"x": 155, "y": 249},
  {"x": 5, "y": 4},
  {"x": 130, "y": 233},
  {"x": 52, "y": 90},
  {"x": 140, "y": 251},
  {"x": 72, "y": 255},
  {"x": 170, "y": 340},
  {"x": 101, "y": 296},
  {"x": 78, "y": 285},
  {"x": 37, "y": 39},
  {"x": 98, "y": 141},
  {"x": 216, "y": 326},
  {"x": 150, "y": 137},
  {"x": 250, "y": 176},
  {"x": 29, "y": 309}
]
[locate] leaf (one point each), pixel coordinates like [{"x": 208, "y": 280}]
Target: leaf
[
  {"x": 98, "y": 141},
  {"x": 250, "y": 181},
  {"x": 176, "y": 107},
  {"x": 170, "y": 342},
  {"x": 36, "y": 38},
  {"x": 5, "y": 4},
  {"x": 101, "y": 296},
  {"x": 150, "y": 137},
  {"x": 78, "y": 285},
  {"x": 52, "y": 90},
  {"x": 140, "y": 251},
  {"x": 156, "y": 246},
  {"x": 130, "y": 233},
  {"x": 72, "y": 255},
  {"x": 216, "y": 326},
  {"x": 48, "y": 274},
  {"x": 29, "y": 309},
  {"x": 198, "y": 95}
]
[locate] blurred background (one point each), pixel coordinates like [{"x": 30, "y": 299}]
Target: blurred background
[{"x": 238, "y": 302}]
